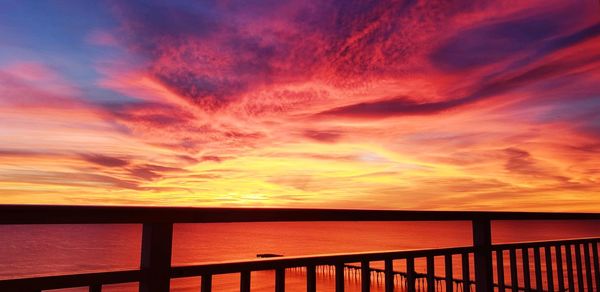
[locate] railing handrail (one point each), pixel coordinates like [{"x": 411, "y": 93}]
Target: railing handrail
[
  {"x": 49, "y": 282},
  {"x": 236, "y": 266},
  {"x": 225, "y": 267},
  {"x": 77, "y": 214},
  {"x": 157, "y": 238},
  {"x": 541, "y": 243}
]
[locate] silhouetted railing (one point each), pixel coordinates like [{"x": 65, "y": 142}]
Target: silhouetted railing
[
  {"x": 547, "y": 278},
  {"x": 580, "y": 266}
]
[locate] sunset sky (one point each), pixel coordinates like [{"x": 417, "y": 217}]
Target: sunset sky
[{"x": 487, "y": 105}]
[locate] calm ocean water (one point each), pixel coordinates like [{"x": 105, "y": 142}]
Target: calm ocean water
[{"x": 30, "y": 250}]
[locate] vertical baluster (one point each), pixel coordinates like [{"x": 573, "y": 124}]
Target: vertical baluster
[
  {"x": 95, "y": 288},
  {"x": 596, "y": 264},
  {"x": 245, "y": 281},
  {"x": 206, "y": 283},
  {"x": 280, "y": 280},
  {"x": 365, "y": 277},
  {"x": 430, "y": 274},
  {"x": 311, "y": 279},
  {"x": 580, "y": 283},
  {"x": 448, "y": 270},
  {"x": 537, "y": 264},
  {"x": 410, "y": 274},
  {"x": 526, "y": 269},
  {"x": 389, "y": 275},
  {"x": 514, "y": 279},
  {"x": 500, "y": 269},
  {"x": 466, "y": 276},
  {"x": 549, "y": 272},
  {"x": 588, "y": 266},
  {"x": 559, "y": 268},
  {"x": 339, "y": 277},
  {"x": 569, "y": 267}
]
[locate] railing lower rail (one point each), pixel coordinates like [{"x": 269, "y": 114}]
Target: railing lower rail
[{"x": 482, "y": 260}]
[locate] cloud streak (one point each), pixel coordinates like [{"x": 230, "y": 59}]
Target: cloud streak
[{"x": 450, "y": 105}]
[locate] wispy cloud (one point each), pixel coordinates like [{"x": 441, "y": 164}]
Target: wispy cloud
[{"x": 449, "y": 105}]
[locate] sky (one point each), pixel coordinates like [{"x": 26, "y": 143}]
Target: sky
[{"x": 433, "y": 105}]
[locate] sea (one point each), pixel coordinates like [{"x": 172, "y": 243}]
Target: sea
[{"x": 37, "y": 250}]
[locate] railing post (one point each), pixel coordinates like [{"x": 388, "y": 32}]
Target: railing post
[
  {"x": 410, "y": 275},
  {"x": 466, "y": 274},
  {"x": 339, "y": 277},
  {"x": 389, "y": 275},
  {"x": 365, "y": 276},
  {"x": 245, "y": 281},
  {"x": 206, "y": 283},
  {"x": 311, "y": 278},
  {"x": 95, "y": 288},
  {"x": 280, "y": 280},
  {"x": 482, "y": 242},
  {"x": 448, "y": 270},
  {"x": 430, "y": 273},
  {"x": 156, "y": 257}
]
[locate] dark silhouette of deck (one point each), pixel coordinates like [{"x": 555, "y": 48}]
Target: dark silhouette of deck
[{"x": 580, "y": 266}]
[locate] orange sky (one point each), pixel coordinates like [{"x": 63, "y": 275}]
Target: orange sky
[{"x": 417, "y": 105}]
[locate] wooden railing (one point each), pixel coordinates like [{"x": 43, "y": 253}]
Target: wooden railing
[
  {"x": 553, "y": 251},
  {"x": 156, "y": 271}
]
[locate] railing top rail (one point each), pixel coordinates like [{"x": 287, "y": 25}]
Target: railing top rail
[
  {"x": 74, "y": 280},
  {"x": 109, "y": 277},
  {"x": 66, "y": 214},
  {"x": 302, "y": 261},
  {"x": 299, "y": 261},
  {"x": 538, "y": 243},
  {"x": 69, "y": 281}
]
